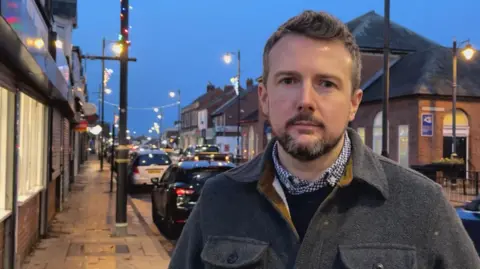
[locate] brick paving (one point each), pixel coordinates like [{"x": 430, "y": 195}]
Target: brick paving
[{"x": 81, "y": 237}]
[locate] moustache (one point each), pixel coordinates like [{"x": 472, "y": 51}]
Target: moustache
[{"x": 305, "y": 118}]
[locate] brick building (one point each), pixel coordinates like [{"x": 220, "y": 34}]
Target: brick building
[
  {"x": 41, "y": 89},
  {"x": 225, "y": 118},
  {"x": 421, "y": 88},
  {"x": 420, "y": 84},
  {"x": 193, "y": 114}
]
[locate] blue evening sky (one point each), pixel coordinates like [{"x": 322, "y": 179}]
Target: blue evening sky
[{"x": 179, "y": 43}]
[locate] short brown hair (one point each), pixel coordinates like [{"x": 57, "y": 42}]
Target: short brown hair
[{"x": 316, "y": 25}]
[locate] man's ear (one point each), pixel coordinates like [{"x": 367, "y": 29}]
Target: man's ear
[
  {"x": 263, "y": 98},
  {"x": 355, "y": 103}
]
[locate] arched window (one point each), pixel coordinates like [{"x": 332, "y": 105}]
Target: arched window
[{"x": 377, "y": 133}]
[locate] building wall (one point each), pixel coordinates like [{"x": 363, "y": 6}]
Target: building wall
[
  {"x": 422, "y": 150},
  {"x": 431, "y": 148},
  {"x": 248, "y": 104},
  {"x": 250, "y": 151},
  {"x": 51, "y": 207},
  {"x": 2, "y": 243},
  {"x": 405, "y": 114},
  {"x": 27, "y": 228}
]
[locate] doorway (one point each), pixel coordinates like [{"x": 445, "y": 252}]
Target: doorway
[
  {"x": 462, "y": 132},
  {"x": 461, "y": 148}
]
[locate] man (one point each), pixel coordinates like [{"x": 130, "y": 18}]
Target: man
[{"x": 317, "y": 197}]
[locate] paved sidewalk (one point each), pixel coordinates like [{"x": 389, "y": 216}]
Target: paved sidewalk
[{"x": 80, "y": 237}]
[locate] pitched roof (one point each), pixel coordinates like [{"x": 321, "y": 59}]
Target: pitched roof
[
  {"x": 232, "y": 101},
  {"x": 427, "y": 72},
  {"x": 368, "y": 32},
  {"x": 252, "y": 117},
  {"x": 202, "y": 99}
]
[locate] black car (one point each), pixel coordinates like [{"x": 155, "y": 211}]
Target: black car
[
  {"x": 470, "y": 216},
  {"x": 177, "y": 191}
]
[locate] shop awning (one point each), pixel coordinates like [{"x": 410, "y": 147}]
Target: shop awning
[{"x": 38, "y": 71}]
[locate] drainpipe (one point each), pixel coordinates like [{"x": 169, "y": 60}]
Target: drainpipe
[{"x": 11, "y": 223}]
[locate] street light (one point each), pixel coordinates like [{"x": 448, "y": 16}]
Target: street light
[
  {"x": 105, "y": 74},
  {"x": 117, "y": 48},
  {"x": 468, "y": 53},
  {"x": 159, "y": 117},
  {"x": 108, "y": 91},
  {"x": 227, "y": 58}
]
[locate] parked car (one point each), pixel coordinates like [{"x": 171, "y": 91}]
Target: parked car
[
  {"x": 470, "y": 216},
  {"x": 145, "y": 165},
  {"x": 176, "y": 193},
  {"x": 205, "y": 152}
]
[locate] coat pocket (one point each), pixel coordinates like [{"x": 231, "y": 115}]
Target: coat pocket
[
  {"x": 378, "y": 256},
  {"x": 234, "y": 252}
]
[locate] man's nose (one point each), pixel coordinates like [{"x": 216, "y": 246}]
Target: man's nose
[{"x": 306, "y": 99}]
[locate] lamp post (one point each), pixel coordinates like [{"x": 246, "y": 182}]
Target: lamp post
[
  {"x": 121, "y": 223},
  {"x": 468, "y": 53},
  {"x": 112, "y": 160},
  {"x": 227, "y": 58},
  {"x": 172, "y": 94},
  {"x": 386, "y": 78},
  {"x": 116, "y": 49}
]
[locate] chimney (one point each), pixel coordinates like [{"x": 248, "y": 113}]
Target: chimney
[
  {"x": 210, "y": 87},
  {"x": 228, "y": 89}
]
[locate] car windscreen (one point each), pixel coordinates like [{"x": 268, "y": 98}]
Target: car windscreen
[
  {"x": 207, "y": 149},
  {"x": 153, "y": 159},
  {"x": 202, "y": 175}
]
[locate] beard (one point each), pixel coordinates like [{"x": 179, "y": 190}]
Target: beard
[{"x": 319, "y": 147}]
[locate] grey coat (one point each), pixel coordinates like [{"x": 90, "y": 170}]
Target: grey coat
[{"x": 380, "y": 215}]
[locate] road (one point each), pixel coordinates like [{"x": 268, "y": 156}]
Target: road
[{"x": 142, "y": 205}]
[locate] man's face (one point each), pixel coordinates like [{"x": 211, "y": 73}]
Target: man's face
[{"x": 308, "y": 96}]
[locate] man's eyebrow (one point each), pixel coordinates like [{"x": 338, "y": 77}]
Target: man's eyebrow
[
  {"x": 291, "y": 73},
  {"x": 286, "y": 73}
]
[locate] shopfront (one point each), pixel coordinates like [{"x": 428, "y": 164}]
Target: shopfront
[{"x": 31, "y": 86}]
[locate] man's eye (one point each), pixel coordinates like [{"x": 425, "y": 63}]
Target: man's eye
[
  {"x": 327, "y": 84},
  {"x": 287, "y": 81}
]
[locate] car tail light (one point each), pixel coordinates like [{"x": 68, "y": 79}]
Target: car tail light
[
  {"x": 135, "y": 170},
  {"x": 182, "y": 192}
]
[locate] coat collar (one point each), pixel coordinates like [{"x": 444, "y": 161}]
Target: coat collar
[{"x": 366, "y": 166}]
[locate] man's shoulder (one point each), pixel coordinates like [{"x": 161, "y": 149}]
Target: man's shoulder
[{"x": 409, "y": 185}]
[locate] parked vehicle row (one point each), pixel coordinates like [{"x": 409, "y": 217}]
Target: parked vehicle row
[{"x": 175, "y": 194}]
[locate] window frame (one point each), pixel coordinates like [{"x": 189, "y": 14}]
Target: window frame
[
  {"x": 7, "y": 122},
  {"x": 408, "y": 144},
  {"x": 32, "y": 172},
  {"x": 377, "y": 125}
]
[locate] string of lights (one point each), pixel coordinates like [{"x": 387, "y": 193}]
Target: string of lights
[
  {"x": 125, "y": 30},
  {"x": 144, "y": 108}
]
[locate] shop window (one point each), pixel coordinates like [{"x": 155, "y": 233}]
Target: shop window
[
  {"x": 32, "y": 147},
  {"x": 377, "y": 134},
  {"x": 361, "y": 133},
  {"x": 7, "y": 110},
  {"x": 403, "y": 145}
]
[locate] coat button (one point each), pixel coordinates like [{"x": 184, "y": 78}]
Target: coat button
[
  {"x": 378, "y": 266},
  {"x": 232, "y": 258}
]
